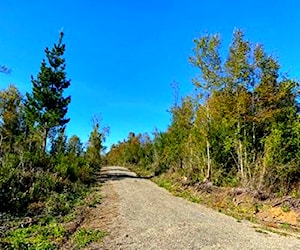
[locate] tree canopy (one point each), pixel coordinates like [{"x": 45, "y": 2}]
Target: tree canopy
[
  {"x": 239, "y": 127},
  {"x": 46, "y": 106}
]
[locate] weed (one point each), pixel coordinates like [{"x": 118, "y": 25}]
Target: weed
[
  {"x": 260, "y": 231},
  {"x": 95, "y": 200},
  {"x": 37, "y": 236},
  {"x": 285, "y": 208},
  {"x": 257, "y": 207},
  {"x": 69, "y": 217},
  {"x": 195, "y": 199},
  {"x": 84, "y": 237},
  {"x": 295, "y": 194},
  {"x": 164, "y": 183},
  {"x": 276, "y": 231},
  {"x": 141, "y": 171},
  {"x": 285, "y": 226}
]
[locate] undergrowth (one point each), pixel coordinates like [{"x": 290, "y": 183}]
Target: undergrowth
[
  {"x": 49, "y": 230},
  {"x": 84, "y": 237}
]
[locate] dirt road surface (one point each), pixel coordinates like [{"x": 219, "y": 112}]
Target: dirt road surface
[{"x": 140, "y": 215}]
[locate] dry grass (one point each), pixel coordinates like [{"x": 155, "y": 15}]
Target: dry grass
[{"x": 239, "y": 204}]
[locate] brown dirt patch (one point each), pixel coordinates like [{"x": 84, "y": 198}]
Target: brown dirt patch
[
  {"x": 277, "y": 215},
  {"x": 101, "y": 216},
  {"x": 98, "y": 217}
]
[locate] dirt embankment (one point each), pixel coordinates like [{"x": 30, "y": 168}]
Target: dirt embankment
[{"x": 281, "y": 213}]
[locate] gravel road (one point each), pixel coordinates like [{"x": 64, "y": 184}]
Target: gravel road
[{"x": 140, "y": 215}]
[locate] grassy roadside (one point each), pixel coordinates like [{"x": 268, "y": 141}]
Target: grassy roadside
[
  {"x": 273, "y": 215},
  {"x": 53, "y": 230},
  {"x": 141, "y": 172}
]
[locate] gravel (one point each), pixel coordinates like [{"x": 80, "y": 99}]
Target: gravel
[{"x": 146, "y": 216}]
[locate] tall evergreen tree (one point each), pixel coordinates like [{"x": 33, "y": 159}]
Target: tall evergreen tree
[
  {"x": 46, "y": 107},
  {"x": 59, "y": 143}
]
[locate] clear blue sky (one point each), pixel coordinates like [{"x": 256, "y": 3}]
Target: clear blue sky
[{"x": 122, "y": 56}]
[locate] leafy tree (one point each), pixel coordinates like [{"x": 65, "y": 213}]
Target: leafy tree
[
  {"x": 182, "y": 120},
  {"x": 207, "y": 58},
  {"x": 133, "y": 151},
  {"x": 95, "y": 144},
  {"x": 75, "y": 146},
  {"x": 240, "y": 127},
  {"x": 46, "y": 107},
  {"x": 147, "y": 149},
  {"x": 12, "y": 125},
  {"x": 238, "y": 75}
]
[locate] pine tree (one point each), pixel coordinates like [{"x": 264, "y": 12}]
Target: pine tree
[
  {"x": 59, "y": 143},
  {"x": 46, "y": 107}
]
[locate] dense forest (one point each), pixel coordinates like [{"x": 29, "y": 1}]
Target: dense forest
[
  {"x": 239, "y": 128},
  {"x": 43, "y": 174}
]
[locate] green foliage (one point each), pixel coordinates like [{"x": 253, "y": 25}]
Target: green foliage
[
  {"x": 46, "y": 107},
  {"x": 11, "y": 120},
  {"x": 164, "y": 183},
  {"x": 95, "y": 145},
  {"x": 38, "y": 236},
  {"x": 285, "y": 208},
  {"x": 136, "y": 151},
  {"x": 75, "y": 146},
  {"x": 84, "y": 237},
  {"x": 59, "y": 204},
  {"x": 96, "y": 200},
  {"x": 59, "y": 143},
  {"x": 239, "y": 128},
  {"x": 40, "y": 185}
]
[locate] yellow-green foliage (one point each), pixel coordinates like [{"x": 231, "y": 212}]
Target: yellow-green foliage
[
  {"x": 84, "y": 237},
  {"x": 240, "y": 127},
  {"x": 41, "y": 237}
]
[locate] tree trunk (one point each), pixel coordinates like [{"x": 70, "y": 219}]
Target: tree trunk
[
  {"x": 253, "y": 129},
  {"x": 240, "y": 153},
  {"x": 45, "y": 139},
  {"x": 208, "y": 173}
]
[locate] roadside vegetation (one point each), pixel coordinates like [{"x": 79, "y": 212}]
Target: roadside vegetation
[
  {"x": 44, "y": 176},
  {"x": 234, "y": 143}
]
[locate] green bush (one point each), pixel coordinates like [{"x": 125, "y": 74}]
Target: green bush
[{"x": 59, "y": 204}]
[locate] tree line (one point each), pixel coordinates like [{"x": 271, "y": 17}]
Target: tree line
[
  {"x": 239, "y": 127},
  {"x": 39, "y": 165}
]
